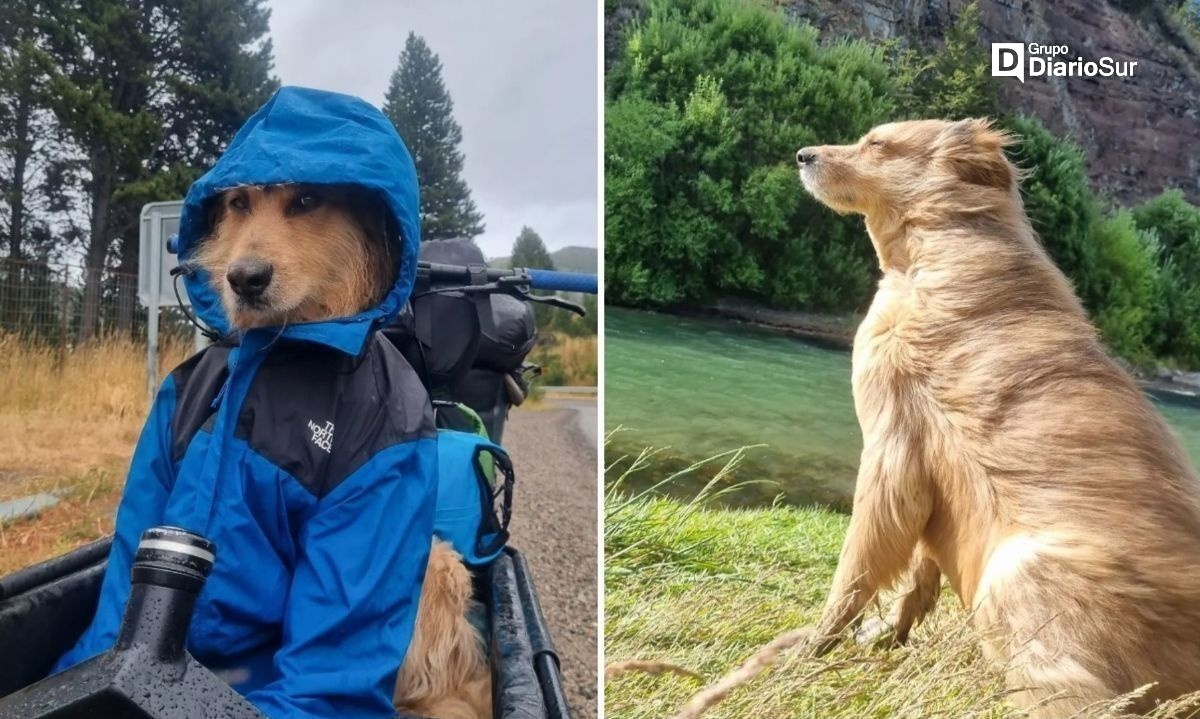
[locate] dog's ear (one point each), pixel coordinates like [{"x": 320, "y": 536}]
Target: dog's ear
[{"x": 974, "y": 151}]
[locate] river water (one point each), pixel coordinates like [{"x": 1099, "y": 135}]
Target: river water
[{"x": 696, "y": 388}]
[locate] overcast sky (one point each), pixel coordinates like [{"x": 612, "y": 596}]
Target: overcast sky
[{"x": 522, "y": 74}]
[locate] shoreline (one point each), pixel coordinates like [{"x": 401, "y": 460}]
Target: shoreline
[
  {"x": 836, "y": 332},
  {"x": 828, "y": 330}
]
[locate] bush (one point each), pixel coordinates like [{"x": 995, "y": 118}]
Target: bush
[
  {"x": 707, "y": 106},
  {"x": 1176, "y": 225},
  {"x": 952, "y": 82},
  {"x": 1058, "y": 200},
  {"x": 1126, "y": 273}
]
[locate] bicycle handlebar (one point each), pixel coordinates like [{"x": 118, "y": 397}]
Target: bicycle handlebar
[
  {"x": 550, "y": 280},
  {"x": 562, "y": 281}
]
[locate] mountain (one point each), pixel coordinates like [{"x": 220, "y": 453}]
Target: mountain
[{"x": 567, "y": 259}]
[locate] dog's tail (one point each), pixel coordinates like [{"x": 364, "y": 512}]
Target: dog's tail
[{"x": 446, "y": 658}]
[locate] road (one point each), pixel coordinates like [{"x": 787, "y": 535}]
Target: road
[{"x": 555, "y": 526}]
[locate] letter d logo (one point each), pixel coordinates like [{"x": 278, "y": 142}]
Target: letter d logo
[{"x": 1008, "y": 60}]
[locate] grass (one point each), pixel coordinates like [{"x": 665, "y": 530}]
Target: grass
[
  {"x": 70, "y": 419},
  {"x": 704, "y": 588},
  {"x": 567, "y": 360}
]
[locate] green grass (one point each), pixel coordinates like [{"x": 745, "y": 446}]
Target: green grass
[{"x": 703, "y": 588}]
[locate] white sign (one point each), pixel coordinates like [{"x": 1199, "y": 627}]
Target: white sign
[
  {"x": 156, "y": 286},
  {"x": 160, "y": 220}
]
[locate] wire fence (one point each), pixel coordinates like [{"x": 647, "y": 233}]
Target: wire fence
[{"x": 63, "y": 303}]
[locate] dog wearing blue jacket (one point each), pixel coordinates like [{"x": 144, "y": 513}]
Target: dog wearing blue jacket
[{"x": 301, "y": 443}]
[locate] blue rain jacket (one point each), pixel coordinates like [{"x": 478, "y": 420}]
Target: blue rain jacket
[{"x": 308, "y": 456}]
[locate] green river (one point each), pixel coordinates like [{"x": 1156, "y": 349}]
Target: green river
[{"x": 698, "y": 387}]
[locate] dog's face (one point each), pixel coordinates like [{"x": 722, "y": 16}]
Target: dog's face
[
  {"x": 896, "y": 164},
  {"x": 279, "y": 254}
]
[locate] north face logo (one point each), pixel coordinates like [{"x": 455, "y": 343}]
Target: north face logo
[{"x": 322, "y": 436}]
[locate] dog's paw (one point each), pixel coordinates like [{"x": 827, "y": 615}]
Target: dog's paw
[{"x": 875, "y": 632}]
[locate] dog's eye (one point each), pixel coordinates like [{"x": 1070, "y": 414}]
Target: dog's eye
[
  {"x": 306, "y": 201},
  {"x": 239, "y": 203},
  {"x": 876, "y": 143}
]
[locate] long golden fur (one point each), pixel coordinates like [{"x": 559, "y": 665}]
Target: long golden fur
[
  {"x": 327, "y": 252},
  {"x": 1003, "y": 448},
  {"x": 446, "y": 674}
]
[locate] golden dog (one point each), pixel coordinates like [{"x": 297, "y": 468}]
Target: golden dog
[
  {"x": 292, "y": 253},
  {"x": 1003, "y": 448}
]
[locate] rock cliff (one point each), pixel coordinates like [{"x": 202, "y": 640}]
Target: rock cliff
[{"x": 1141, "y": 134}]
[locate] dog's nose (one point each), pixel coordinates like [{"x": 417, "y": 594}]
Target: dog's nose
[
  {"x": 249, "y": 278},
  {"x": 806, "y": 156}
]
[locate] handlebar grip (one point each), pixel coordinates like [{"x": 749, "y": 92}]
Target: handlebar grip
[{"x": 562, "y": 281}]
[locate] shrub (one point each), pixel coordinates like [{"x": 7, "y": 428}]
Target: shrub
[
  {"x": 952, "y": 82},
  {"x": 1176, "y": 224},
  {"x": 1126, "y": 276},
  {"x": 707, "y": 103},
  {"x": 707, "y": 106},
  {"x": 1058, "y": 200}
]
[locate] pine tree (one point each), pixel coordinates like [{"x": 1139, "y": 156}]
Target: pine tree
[
  {"x": 421, "y": 109},
  {"x": 529, "y": 251},
  {"x": 146, "y": 94},
  {"x": 24, "y": 124}
]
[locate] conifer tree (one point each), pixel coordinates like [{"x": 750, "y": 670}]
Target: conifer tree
[
  {"x": 420, "y": 107},
  {"x": 530, "y": 251}
]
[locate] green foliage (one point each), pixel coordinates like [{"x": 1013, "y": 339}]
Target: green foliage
[
  {"x": 24, "y": 124},
  {"x": 420, "y": 107},
  {"x": 706, "y": 108},
  {"x": 1135, "y": 270},
  {"x": 952, "y": 82},
  {"x": 529, "y": 251},
  {"x": 1176, "y": 225},
  {"x": 1187, "y": 15},
  {"x": 127, "y": 102},
  {"x": 1060, "y": 205},
  {"x": 1126, "y": 277}
]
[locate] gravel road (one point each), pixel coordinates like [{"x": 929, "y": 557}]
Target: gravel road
[{"x": 554, "y": 524}]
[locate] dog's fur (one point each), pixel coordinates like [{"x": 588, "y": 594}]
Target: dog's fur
[
  {"x": 325, "y": 244},
  {"x": 327, "y": 247},
  {"x": 1003, "y": 447},
  {"x": 446, "y": 674}
]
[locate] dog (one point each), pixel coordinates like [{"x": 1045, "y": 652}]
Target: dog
[
  {"x": 1003, "y": 447},
  {"x": 283, "y": 254}
]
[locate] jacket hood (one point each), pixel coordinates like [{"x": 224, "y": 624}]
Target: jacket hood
[{"x": 316, "y": 137}]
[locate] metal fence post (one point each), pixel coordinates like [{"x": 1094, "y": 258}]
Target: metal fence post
[{"x": 64, "y": 326}]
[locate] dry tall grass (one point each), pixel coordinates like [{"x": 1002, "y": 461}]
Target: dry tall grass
[
  {"x": 69, "y": 419},
  {"x": 567, "y": 360}
]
